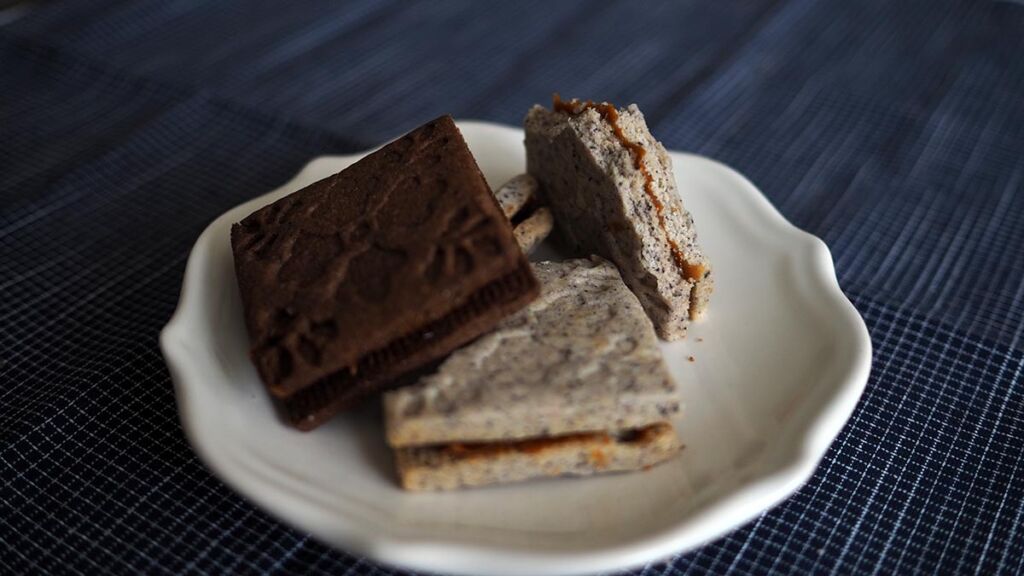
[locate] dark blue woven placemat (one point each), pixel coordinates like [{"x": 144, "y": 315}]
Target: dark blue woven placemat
[{"x": 893, "y": 130}]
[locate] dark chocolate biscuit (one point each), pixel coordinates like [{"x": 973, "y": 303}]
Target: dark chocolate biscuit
[{"x": 375, "y": 272}]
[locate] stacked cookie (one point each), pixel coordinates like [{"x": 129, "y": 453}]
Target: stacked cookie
[
  {"x": 572, "y": 384},
  {"x": 360, "y": 280}
]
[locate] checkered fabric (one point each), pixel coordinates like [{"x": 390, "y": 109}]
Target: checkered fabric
[{"x": 893, "y": 130}]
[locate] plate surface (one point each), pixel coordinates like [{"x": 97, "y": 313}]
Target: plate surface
[{"x": 780, "y": 362}]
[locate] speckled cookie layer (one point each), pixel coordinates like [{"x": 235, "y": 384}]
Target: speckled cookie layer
[
  {"x": 534, "y": 229},
  {"x": 581, "y": 357},
  {"x": 463, "y": 466},
  {"x": 375, "y": 272},
  {"x": 589, "y": 180},
  {"x": 515, "y": 194}
]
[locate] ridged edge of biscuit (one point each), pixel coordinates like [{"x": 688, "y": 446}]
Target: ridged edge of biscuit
[{"x": 309, "y": 407}]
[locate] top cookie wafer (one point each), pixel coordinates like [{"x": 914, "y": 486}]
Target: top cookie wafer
[
  {"x": 375, "y": 272},
  {"x": 581, "y": 357}
]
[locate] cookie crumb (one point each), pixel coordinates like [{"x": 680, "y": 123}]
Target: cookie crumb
[{"x": 691, "y": 359}]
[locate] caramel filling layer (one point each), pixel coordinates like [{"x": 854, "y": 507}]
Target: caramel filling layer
[
  {"x": 637, "y": 436},
  {"x": 689, "y": 270}
]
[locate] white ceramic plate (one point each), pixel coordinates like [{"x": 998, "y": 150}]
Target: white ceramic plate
[{"x": 780, "y": 362}]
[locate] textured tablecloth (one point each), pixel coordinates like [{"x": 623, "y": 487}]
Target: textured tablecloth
[{"x": 893, "y": 130}]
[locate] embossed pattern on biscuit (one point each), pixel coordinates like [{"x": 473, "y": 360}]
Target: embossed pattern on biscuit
[{"x": 359, "y": 259}]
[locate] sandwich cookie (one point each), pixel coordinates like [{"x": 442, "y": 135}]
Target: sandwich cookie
[
  {"x": 573, "y": 384},
  {"x": 613, "y": 193},
  {"x": 366, "y": 277}
]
